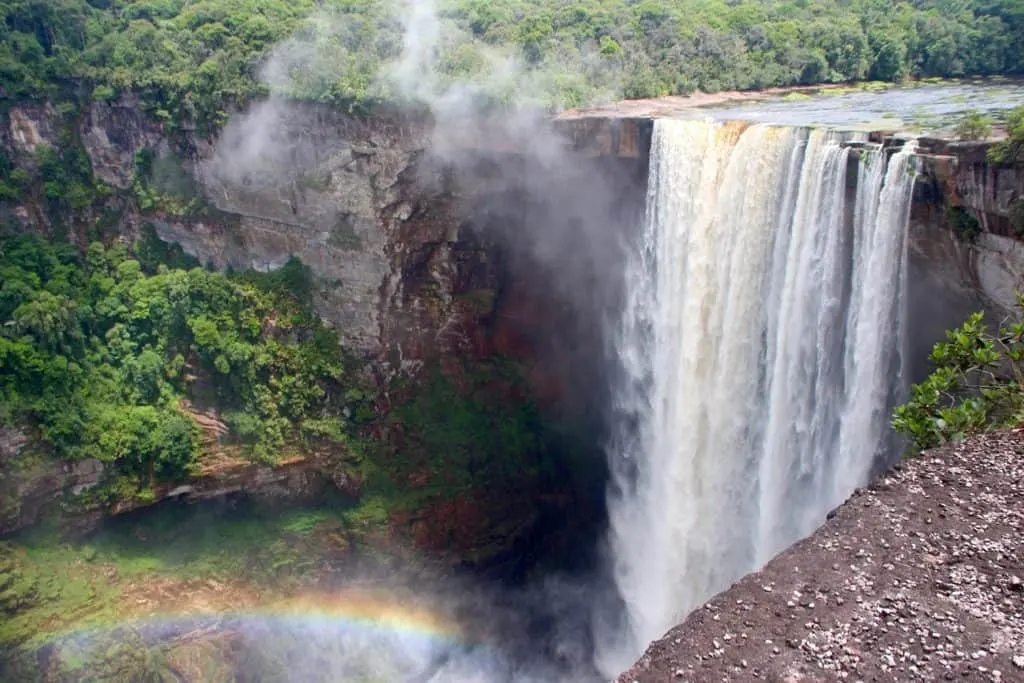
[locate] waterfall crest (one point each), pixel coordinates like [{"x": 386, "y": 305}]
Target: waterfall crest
[{"x": 761, "y": 349}]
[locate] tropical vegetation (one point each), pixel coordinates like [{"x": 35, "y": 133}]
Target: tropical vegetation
[
  {"x": 973, "y": 125},
  {"x": 106, "y": 357},
  {"x": 193, "y": 61},
  {"x": 1011, "y": 148}
]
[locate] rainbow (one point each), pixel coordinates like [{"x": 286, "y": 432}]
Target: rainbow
[{"x": 366, "y": 612}]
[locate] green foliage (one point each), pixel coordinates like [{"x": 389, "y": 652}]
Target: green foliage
[
  {"x": 61, "y": 180},
  {"x": 294, "y": 279},
  {"x": 162, "y": 186},
  {"x": 66, "y": 177},
  {"x": 1016, "y": 215},
  {"x": 51, "y": 586},
  {"x": 188, "y": 60},
  {"x": 193, "y": 62},
  {"x": 963, "y": 223},
  {"x": 1012, "y": 148},
  {"x": 973, "y": 126},
  {"x": 100, "y": 350},
  {"x": 977, "y": 385},
  {"x": 477, "y": 428},
  {"x": 13, "y": 181}
]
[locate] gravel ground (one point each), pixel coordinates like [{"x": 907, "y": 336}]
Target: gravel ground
[{"x": 919, "y": 577}]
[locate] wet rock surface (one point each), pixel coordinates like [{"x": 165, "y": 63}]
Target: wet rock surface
[{"x": 919, "y": 577}]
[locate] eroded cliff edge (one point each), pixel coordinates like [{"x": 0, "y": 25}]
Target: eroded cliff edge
[{"x": 916, "y": 577}]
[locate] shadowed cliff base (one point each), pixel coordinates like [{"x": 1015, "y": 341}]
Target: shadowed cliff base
[{"x": 916, "y": 577}]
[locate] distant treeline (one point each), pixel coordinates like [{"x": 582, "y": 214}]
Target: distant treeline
[{"x": 195, "y": 59}]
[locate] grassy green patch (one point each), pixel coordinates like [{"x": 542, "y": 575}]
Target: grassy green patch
[
  {"x": 372, "y": 510},
  {"x": 835, "y": 92},
  {"x": 874, "y": 86},
  {"x": 249, "y": 540},
  {"x": 50, "y": 586}
]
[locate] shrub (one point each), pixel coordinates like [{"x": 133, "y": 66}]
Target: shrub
[
  {"x": 103, "y": 92},
  {"x": 1009, "y": 150},
  {"x": 976, "y": 385},
  {"x": 100, "y": 351},
  {"x": 964, "y": 225},
  {"x": 973, "y": 126},
  {"x": 1016, "y": 214}
]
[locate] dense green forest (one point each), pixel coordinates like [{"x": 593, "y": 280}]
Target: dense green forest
[
  {"x": 99, "y": 352},
  {"x": 192, "y": 60}
]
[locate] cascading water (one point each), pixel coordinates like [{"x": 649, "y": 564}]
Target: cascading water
[{"x": 762, "y": 350}]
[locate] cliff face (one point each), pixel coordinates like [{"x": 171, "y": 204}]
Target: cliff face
[
  {"x": 423, "y": 266},
  {"x": 965, "y": 252},
  {"x": 957, "y": 178},
  {"x": 429, "y": 264},
  {"x": 340, "y": 193},
  {"x": 388, "y": 229}
]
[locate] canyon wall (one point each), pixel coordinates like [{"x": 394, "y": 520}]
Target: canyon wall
[
  {"x": 427, "y": 266},
  {"x": 966, "y": 253}
]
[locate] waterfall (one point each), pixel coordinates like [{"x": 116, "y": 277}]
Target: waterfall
[{"x": 761, "y": 349}]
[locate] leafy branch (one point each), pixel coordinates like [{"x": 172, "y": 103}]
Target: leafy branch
[{"x": 976, "y": 385}]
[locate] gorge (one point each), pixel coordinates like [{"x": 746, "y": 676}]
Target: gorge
[{"x": 792, "y": 273}]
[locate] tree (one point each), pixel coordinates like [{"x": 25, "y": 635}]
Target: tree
[{"x": 49, "y": 319}]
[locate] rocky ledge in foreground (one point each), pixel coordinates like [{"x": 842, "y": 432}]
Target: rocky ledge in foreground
[{"x": 918, "y": 577}]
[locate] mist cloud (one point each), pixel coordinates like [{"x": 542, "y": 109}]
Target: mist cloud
[
  {"x": 406, "y": 53},
  {"x": 562, "y": 221}
]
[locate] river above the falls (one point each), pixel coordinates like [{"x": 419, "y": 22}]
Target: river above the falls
[
  {"x": 919, "y": 107},
  {"x": 930, "y": 107}
]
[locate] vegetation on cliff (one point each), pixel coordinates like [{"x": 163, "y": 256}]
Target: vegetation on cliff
[
  {"x": 977, "y": 384},
  {"x": 973, "y": 125},
  {"x": 1010, "y": 150},
  {"x": 191, "y": 61},
  {"x": 105, "y": 355}
]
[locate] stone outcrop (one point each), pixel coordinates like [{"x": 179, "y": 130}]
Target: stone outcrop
[
  {"x": 112, "y": 133},
  {"x": 28, "y": 128},
  {"x": 32, "y": 487},
  {"x": 958, "y": 176}
]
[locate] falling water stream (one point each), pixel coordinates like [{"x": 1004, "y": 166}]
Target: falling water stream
[{"x": 762, "y": 350}]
